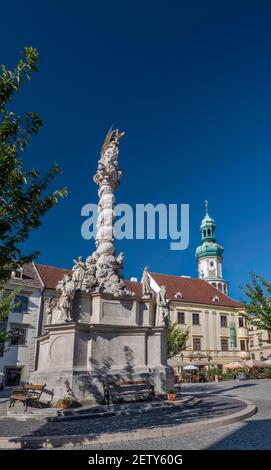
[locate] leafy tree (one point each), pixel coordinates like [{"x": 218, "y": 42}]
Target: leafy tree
[
  {"x": 24, "y": 194},
  {"x": 7, "y": 302},
  {"x": 24, "y": 198},
  {"x": 176, "y": 339},
  {"x": 258, "y": 303}
]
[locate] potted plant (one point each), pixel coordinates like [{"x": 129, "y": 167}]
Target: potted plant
[
  {"x": 64, "y": 403},
  {"x": 171, "y": 394}
]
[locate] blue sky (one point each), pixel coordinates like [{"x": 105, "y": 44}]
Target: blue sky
[{"x": 190, "y": 84}]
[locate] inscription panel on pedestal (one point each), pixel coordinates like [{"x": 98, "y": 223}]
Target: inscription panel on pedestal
[{"x": 118, "y": 312}]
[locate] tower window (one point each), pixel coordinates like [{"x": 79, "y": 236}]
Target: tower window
[
  {"x": 211, "y": 263},
  {"x": 209, "y": 232},
  {"x": 204, "y": 233}
]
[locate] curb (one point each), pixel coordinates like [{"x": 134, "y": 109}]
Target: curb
[{"x": 47, "y": 442}]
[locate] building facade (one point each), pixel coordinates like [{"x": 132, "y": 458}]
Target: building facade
[
  {"x": 259, "y": 343},
  {"x": 17, "y": 356},
  {"x": 217, "y": 331}
]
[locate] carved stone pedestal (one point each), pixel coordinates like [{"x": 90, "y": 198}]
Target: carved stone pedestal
[{"x": 115, "y": 340}]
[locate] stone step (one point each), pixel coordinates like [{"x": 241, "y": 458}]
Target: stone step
[{"x": 98, "y": 411}]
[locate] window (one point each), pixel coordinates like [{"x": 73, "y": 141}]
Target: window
[
  {"x": 224, "y": 344},
  {"x": 251, "y": 342},
  {"x": 243, "y": 345},
  {"x": 2, "y": 346},
  {"x": 21, "y": 304},
  {"x": 13, "y": 376},
  {"x": 196, "y": 344},
  {"x": 18, "y": 274},
  {"x": 241, "y": 322},
  {"x": 18, "y": 337},
  {"x": 178, "y": 295},
  {"x": 181, "y": 319},
  {"x": 211, "y": 263},
  {"x": 223, "y": 321},
  {"x": 195, "y": 318},
  {"x": 269, "y": 336}
]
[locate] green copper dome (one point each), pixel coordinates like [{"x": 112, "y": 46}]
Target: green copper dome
[
  {"x": 209, "y": 249},
  {"x": 208, "y": 246}
]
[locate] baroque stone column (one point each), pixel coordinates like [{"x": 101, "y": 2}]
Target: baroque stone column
[{"x": 108, "y": 266}]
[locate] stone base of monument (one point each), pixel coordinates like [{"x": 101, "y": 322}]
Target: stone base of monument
[{"x": 113, "y": 340}]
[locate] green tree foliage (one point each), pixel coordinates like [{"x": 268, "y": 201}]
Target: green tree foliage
[
  {"x": 258, "y": 303},
  {"x": 24, "y": 195},
  {"x": 7, "y": 302},
  {"x": 176, "y": 339}
]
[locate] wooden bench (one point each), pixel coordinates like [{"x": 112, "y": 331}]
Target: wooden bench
[
  {"x": 28, "y": 394},
  {"x": 118, "y": 391}
]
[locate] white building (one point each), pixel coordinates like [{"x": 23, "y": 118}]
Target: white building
[{"x": 17, "y": 356}]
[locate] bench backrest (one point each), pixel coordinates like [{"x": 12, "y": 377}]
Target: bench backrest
[
  {"x": 35, "y": 387},
  {"x": 129, "y": 382},
  {"x": 129, "y": 386}
]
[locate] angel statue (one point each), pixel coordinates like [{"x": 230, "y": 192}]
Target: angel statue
[
  {"x": 119, "y": 261},
  {"x": 162, "y": 309},
  {"x": 146, "y": 283},
  {"x": 78, "y": 272},
  {"x": 90, "y": 281},
  {"x": 52, "y": 305},
  {"x": 67, "y": 288}
]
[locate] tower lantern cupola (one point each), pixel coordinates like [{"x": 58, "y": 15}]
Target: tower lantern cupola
[{"x": 209, "y": 254}]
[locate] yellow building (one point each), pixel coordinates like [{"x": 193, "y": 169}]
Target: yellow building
[
  {"x": 217, "y": 331},
  {"x": 259, "y": 343}
]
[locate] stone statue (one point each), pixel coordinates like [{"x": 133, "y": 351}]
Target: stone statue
[
  {"x": 108, "y": 267},
  {"x": 162, "y": 308},
  {"x": 78, "y": 272},
  {"x": 67, "y": 288},
  {"x": 89, "y": 282},
  {"x": 52, "y": 305},
  {"x": 146, "y": 283}
]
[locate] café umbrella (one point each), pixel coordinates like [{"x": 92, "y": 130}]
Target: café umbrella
[
  {"x": 190, "y": 368},
  {"x": 235, "y": 365},
  {"x": 254, "y": 363}
]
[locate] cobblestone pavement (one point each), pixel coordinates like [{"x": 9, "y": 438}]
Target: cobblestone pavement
[
  {"x": 210, "y": 407},
  {"x": 252, "y": 433}
]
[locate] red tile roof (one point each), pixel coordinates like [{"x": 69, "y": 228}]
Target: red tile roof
[
  {"x": 193, "y": 290},
  {"x": 51, "y": 275},
  {"x": 29, "y": 277},
  {"x": 135, "y": 287}
]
